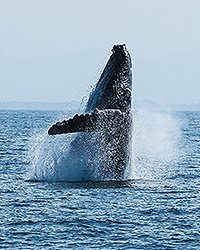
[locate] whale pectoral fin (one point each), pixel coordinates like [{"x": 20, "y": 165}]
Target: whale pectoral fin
[
  {"x": 79, "y": 123},
  {"x": 93, "y": 121}
]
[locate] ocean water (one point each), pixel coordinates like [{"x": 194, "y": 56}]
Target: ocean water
[{"x": 158, "y": 207}]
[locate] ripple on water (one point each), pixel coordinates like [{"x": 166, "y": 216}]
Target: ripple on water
[{"x": 162, "y": 213}]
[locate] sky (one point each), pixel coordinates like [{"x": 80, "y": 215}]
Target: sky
[{"x": 55, "y": 50}]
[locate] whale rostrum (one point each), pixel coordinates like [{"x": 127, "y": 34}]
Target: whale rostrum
[{"x": 107, "y": 122}]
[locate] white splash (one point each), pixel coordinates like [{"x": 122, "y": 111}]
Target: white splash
[
  {"x": 155, "y": 143},
  {"x": 46, "y": 154},
  {"x": 155, "y": 147}
]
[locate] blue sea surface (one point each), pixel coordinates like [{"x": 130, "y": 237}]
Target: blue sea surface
[{"x": 142, "y": 213}]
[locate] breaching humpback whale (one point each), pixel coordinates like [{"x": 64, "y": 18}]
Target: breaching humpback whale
[{"x": 102, "y": 140}]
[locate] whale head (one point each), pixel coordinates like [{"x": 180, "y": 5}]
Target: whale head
[{"x": 113, "y": 90}]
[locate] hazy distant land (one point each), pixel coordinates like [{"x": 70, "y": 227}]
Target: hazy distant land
[
  {"x": 169, "y": 107},
  {"x": 14, "y": 105},
  {"x": 74, "y": 105}
]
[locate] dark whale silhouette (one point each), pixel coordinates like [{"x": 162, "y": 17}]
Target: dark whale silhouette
[{"x": 104, "y": 137}]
